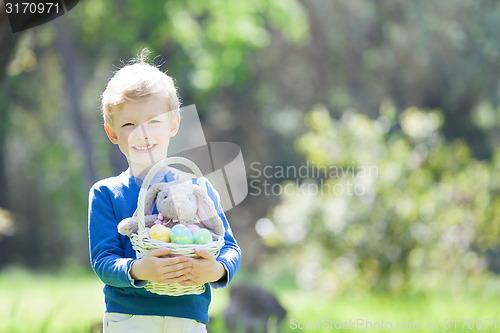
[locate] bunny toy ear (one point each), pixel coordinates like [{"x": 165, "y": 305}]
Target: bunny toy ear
[
  {"x": 206, "y": 212},
  {"x": 151, "y": 195}
]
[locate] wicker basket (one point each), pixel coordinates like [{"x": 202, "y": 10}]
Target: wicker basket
[{"x": 142, "y": 244}]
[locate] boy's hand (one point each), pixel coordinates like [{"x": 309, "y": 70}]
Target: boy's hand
[
  {"x": 157, "y": 268},
  {"x": 204, "y": 269}
]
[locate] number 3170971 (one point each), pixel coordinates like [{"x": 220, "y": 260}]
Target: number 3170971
[{"x": 31, "y": 8}]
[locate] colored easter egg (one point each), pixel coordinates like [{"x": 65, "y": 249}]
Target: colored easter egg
[
  {"x": 202, "y": 236},
  {"x": 160, "y": 232},
  {"x": 180, "y": 234},
  {"x": 193, "y": 228}
]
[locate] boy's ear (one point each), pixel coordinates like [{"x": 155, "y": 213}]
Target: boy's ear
[
  {"x": 111, "y": 134},
  {"x": 175, "y": 127}
]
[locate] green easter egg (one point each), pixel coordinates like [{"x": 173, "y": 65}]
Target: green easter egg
[{"x": 202, "y": 236}]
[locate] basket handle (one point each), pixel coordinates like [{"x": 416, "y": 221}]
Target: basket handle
[{"x": 149, "y": 178}]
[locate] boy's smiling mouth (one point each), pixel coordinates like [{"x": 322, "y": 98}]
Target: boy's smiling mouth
[{"x": 145, "y": 148}]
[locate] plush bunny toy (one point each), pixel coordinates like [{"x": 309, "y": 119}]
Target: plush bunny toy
[{"x": 183, "y": 203}]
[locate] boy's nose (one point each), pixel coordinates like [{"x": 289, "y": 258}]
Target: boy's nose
[{"x": 140, "y": 133}]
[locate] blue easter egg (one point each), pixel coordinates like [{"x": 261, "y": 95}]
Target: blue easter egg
[{"x": 180, "y": 234}]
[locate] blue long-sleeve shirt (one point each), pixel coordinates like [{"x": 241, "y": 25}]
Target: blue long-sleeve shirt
[{"x": 114, "y": 199}]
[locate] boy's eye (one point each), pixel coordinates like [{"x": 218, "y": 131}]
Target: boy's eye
[
  {"x": 154, "y": 121},
  {"x": 127, "y": 124}
]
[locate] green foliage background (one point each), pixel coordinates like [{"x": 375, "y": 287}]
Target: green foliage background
[{"x": 390, "y": 205}]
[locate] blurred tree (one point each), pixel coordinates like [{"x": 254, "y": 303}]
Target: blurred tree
[
  {"x": 74, "y": 86},
  {"x": 7, "y": 41},
  {"x": 432, "y": 55},
  {"x": 385, "y": 207}
]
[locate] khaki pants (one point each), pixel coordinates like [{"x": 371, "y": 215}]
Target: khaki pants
[{"x": 124, "y": 323}]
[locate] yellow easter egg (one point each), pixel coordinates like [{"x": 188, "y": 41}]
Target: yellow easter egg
[{"x": 160, "y": 232}]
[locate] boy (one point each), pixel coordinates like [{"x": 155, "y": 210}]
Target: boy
[{"x": 141, "y": 113}]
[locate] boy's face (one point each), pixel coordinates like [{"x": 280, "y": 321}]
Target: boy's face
[{"x": 142, "y": 130}]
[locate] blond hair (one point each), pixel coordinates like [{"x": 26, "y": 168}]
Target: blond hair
[{"x": 139, "y": 81}]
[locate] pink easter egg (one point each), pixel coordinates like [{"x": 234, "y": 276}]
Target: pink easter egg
[{"x": 193, "y": 228}]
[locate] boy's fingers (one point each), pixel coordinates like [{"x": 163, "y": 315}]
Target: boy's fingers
[
  {"x": 176, "y": 263},
  {"x": 203, "y": 253},
  {"x": 171, "y": 261},
  {"x": 159, "y": 252},
  {"x": 187, "y": 283},
  {"x": 175, "y": 266},
  {"x": 175, "y": 276}
]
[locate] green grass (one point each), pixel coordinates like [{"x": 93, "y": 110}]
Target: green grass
[
  {"x": 37, "y": 302},
  {"x": 354, "y": 313},
  {"x": 451, "y": 305},
  {"x": 73, "y": 302}
]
